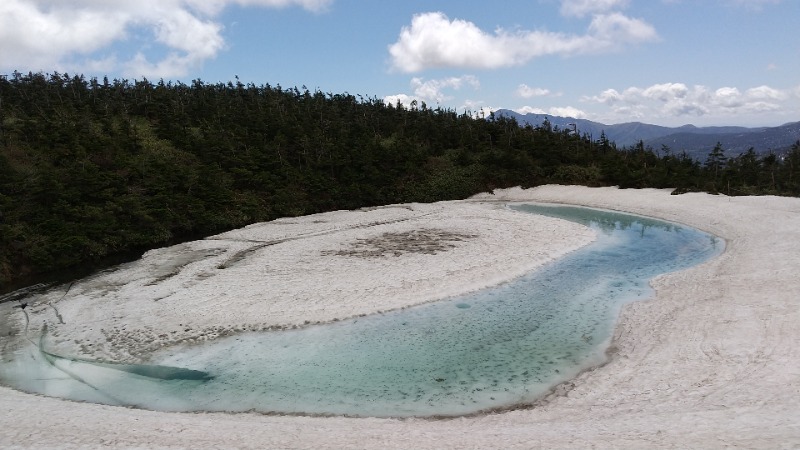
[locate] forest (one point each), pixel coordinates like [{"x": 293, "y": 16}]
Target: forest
[{"x": 96, "y": 171}]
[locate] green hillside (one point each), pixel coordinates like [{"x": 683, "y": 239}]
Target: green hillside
[{"x": 94, "y": 169}]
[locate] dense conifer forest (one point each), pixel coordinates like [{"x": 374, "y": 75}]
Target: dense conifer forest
[{"x": 92, "y": 169}]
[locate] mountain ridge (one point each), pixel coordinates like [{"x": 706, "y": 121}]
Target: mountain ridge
[{"x": 695, "y": 141}]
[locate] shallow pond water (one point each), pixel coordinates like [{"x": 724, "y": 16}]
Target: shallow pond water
[{"x": 494, "y": 348}]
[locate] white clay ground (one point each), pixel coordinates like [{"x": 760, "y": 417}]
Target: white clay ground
[{"x": 711, "y": 361}]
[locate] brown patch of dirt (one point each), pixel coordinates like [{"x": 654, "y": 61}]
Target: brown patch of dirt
[{"x": 428, "y": 241}]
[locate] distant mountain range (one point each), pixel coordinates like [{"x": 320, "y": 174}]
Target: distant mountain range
[{"x": 697, "y": 142}]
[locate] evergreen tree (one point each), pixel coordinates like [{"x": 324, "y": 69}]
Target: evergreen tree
[
  {"x": 716, "y": 160},
  {"x": 92, "y": 169}
]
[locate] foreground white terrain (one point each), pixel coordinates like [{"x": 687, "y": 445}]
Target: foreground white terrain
[{"x": 711, "y": 361}]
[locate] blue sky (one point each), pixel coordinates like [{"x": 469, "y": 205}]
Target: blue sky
[{"x": 668, "y": 62}]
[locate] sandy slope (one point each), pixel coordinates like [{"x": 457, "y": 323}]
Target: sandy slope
[{"x": 712, "y": 361}]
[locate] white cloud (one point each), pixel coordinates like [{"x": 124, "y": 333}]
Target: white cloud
[
  {"x": 581, "y": 8},
  {"x": 478, "y": 109},
  {"x": 608, "y": 97},
  {"x": 403, "y": 99},
  {"x": 530, "y": 110},
  {"x": 434, "y": 41},
  {"x": 433, "y": 91},
  {"x": 766, "y": 92},
  {"x": 728, "y": 97},
  {"x": 753, "y": 4},
  {"x": 612, "y": 30},
  {"x": 212, "y": 7},
  {"x": 34, "y": 36},
  {"x": 525, "y": 91},
  {"x": 563, "y": 111},
  {"x": 567, "y": 111},
  {"x": 55, "y": 35},
  {"x": 673, "y": 100},
  {"x": 666, "y": 92},
  {"x": 481, "y": 108}
]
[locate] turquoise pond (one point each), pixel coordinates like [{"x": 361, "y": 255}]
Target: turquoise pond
[{"x": 496, "y": 348}]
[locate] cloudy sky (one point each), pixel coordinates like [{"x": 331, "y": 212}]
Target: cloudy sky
[{"x": 668, "y": 62}]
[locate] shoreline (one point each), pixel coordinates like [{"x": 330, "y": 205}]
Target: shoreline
[
  {"x": 297, "y": 272},
  {"x": 695, "y": 366}
]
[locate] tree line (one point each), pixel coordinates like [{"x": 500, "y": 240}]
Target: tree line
[{"x": 92, "y": 169}]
